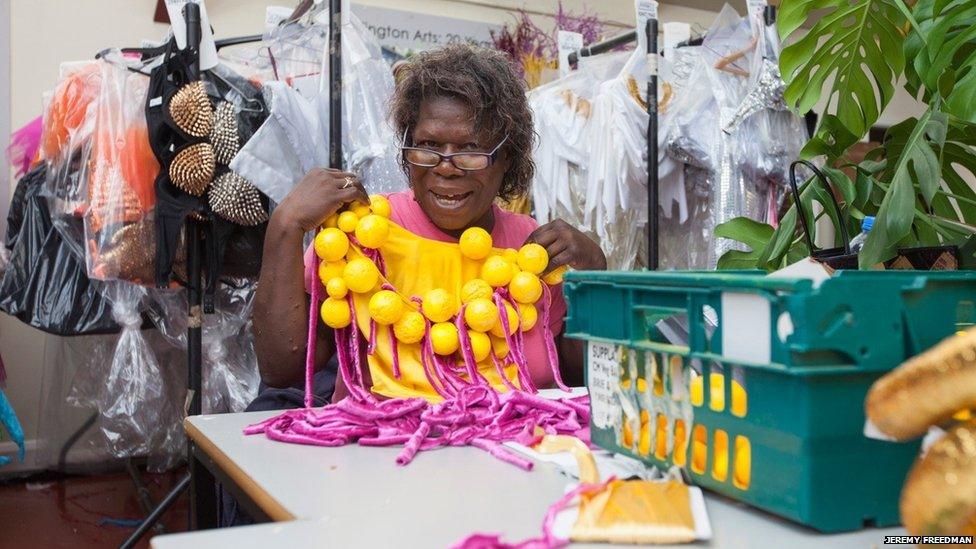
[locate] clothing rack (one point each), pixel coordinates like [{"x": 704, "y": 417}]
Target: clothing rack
[
  {"x": 650, "y": 32},
  {"x": 197, "y": 477}
]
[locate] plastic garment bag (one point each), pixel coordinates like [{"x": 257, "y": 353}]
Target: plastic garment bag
[
  {"x": 230, "y": 369},
  {"x": 119, "y": 229},
  {"x": 132, "y": 395},
  {"x": 731, "y": 129},
  {"x": 617, "y": 177},
  {"x": 562, "y": 112},
  {"x": 66, "y": 143},
  {"x": 294, "y": 138}
]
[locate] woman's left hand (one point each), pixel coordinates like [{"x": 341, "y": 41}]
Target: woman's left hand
[{"x": 568, "y": 246}]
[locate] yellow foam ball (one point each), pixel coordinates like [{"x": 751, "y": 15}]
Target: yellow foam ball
[
  {"x": 533, "y": 258},
  {"x": 331, "y": 269},
  {"x": 361, "y": 275},
  {"x": 410, "y": 328},
  {"x": 496, "y": 271},
  {"x": 555, "y": 276},
  {"x": 480, "y": 345},
  {"x": 331, "y": 244},
  {"x": 336, "y": 288},
  {"x": 347, "y": 222},
  {"x": 475, "y": 289},
  {"x": 372, "y": 231},
  {"x": 438, "y": 305},
  {"x": 499, "y": 346},
  {"x": 525, "y": 287},
  {"x": 385, "y": 307},
  {"x": 335, "y": 313},
  {"x": 361, "y": 210},
  {"x": 444, "y": 338},
  {"x": 513, "y": 322},
  {"x": 331, "y": 221},
  {"x": 475, "y": 243},
  {"x": 529, "y": 316},
  {"x": 380, "y": 205},
  {"x": 481, "y": 315}
]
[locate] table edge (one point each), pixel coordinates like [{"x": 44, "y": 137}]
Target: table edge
[{"x": 275, "y": 510}]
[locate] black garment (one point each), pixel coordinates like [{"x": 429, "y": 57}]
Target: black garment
[{"x": 270, "y": 398}]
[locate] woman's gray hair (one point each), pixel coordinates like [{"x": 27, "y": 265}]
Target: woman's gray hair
[{"x": 486, "y": 81}]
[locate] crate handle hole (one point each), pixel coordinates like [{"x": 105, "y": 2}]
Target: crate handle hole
[
  {"x": 699, "y": 449},
  {"x": 720, "y": 456},
  {"x": 742, "y": 466}
]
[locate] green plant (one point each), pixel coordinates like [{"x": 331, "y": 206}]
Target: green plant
[{"x": 918, "y": 182}]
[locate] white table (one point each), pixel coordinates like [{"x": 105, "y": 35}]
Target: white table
[{"x": 358, "y": 497}]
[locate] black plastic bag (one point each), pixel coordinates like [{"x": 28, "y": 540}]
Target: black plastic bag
[{"x": 46, "y": 284}]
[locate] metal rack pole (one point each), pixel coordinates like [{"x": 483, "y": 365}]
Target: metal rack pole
[
  {"x": 335, "y": 84},
  {"x": 653, "y": 229}
]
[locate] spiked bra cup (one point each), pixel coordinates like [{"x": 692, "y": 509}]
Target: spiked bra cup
[{"x": 194, "y": 168}]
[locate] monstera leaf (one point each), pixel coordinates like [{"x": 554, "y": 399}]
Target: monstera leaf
[
  {"x": 943, "y": 54},
  {"x": 857, "y": 45}
]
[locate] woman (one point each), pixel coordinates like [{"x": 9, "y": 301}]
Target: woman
[{"x": 467, "y": 140}]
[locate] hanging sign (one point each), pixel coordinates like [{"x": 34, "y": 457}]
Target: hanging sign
[{"x": 405, "y": 31}]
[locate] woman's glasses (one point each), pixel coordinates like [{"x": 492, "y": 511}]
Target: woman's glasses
[{"x": 466, "y": 161}]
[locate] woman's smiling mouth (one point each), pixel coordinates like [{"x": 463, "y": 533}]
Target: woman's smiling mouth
[{"x": 450, "y": 201}]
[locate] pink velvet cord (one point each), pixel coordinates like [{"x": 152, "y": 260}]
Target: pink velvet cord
[
  {"x": 548, "y": 540},
  {"x": 472, "y": 413},
  {"x": 311, "y": 343},
  {"x": 476, "y": 416}
]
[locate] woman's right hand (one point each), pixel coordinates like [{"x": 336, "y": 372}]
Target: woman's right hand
[{"x": 321, "y": 193}]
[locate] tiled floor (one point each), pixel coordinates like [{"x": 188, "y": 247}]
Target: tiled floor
[{"x": 81, "y": 511}]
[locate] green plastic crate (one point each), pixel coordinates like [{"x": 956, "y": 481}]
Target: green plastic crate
[{"x": 804, "y": 356}]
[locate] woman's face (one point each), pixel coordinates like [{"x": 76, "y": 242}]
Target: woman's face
[{"x": 454, "y": 199}]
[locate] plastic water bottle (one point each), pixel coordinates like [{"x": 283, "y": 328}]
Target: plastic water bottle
[{"x": 858, "y": 242}]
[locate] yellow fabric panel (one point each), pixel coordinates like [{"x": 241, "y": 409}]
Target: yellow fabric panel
[{"x": 415, "y": 265}]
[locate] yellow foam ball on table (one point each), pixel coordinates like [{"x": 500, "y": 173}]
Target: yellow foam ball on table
[
  {"x": 438, "y": 305},
  {"x": 475, "y": 289},
  {"x": 480, "y": 345},
  {"x": 331, "y": 244},
  {"x": 444, "y": 338},
  {"x": 496, "y": 271},
  {"x": 525, "y": 287},
  {"x": 347, "y": 221},
  {"x": 380, "y": 205},
  {"x": 530, "y": 315},
  {"x": 331, "y": 221},
  {"x": 481, "y": 315},
  {"x": 361, "y": 275},
  {"x": 475, "y": 243},
  {"x": 331, "y": 269},
  {"x": 372, "y": 231},
  {"x": 361, "y": 210},
  {"x": 555, "y": 276},
  {"x": 533, "y": 258},
  {"x": 410, "y": 328},
  {"x": 386, "y": 307},
  {"x": 335, "y": 313},
  {"x": 513, "y": 322},
  {"x": 336, "y": 288}
]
